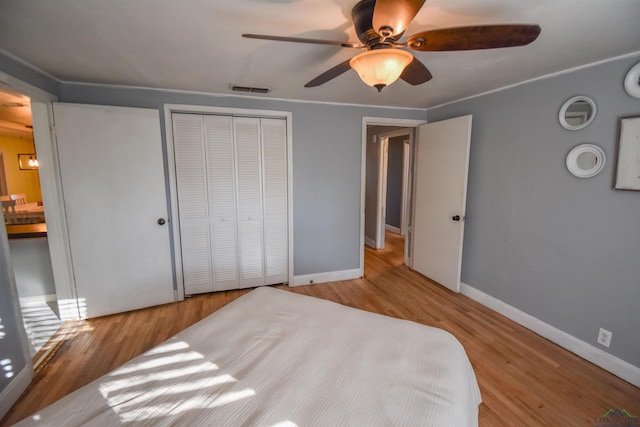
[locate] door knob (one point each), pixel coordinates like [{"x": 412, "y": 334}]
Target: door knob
[
  {"x": 161, "y": 221},
  {"x": 456, "y": 218}
]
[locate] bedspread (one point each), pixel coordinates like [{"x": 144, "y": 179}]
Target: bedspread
[{"x": 275, "y": 358}]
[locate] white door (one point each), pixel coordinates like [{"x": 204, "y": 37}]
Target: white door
[
  {"x": 249, "y": 191},
  {"x": 222, "y": 201},
  {"x": 276, "y": 229},
  {"x": 116, "y": 205},
  {"x": 440, "y": 194},
  {"x": 239, "y": 238},
  {"x": 192, "y": 203}
]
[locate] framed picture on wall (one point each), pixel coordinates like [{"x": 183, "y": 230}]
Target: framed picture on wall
[
  {"x": 628, "y": 172},
  {"x": 27, "y": 161}
]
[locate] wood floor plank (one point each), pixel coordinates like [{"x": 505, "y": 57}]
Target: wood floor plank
[{"x": 525, "y": 380}]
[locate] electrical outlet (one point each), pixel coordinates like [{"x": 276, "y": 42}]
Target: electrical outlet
[{"x": 604, "y": 337}]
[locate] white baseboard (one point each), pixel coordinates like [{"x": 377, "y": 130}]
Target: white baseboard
[
  {"x": 14, "y": 390},
  {"x": 392, "y": 229},
  {"x": 606, "y": 361},
  {"x": 370, "y": 242},
  {"x": 38, "y": 299},
  {"x": 331, "y": 276}
]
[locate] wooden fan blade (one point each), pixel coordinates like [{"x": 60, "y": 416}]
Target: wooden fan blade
[
  {"x": 416, "y": 73},
  {"x": 392, "y": 17},
  {"x": 330, "y": 74},
  {"x": 474, "y": 37},
  {"x": 300, "y": 40}
]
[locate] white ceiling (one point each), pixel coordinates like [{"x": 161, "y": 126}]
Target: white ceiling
[{"x": 196, "y": 45}]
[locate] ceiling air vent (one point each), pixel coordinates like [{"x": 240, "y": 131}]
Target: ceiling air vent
[{"x": 250, "y": 89}]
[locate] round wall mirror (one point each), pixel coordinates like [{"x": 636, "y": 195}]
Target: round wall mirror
[
  {"x": 577, "y": 112},
  {"x": 632, "y": 81},
  {"x": 586, "y": 160}
]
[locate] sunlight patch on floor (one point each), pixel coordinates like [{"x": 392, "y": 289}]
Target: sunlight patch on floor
[{"x": 40, "y": 323}]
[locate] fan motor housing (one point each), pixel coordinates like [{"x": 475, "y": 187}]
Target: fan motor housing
[{"x": 362, "y": 16}]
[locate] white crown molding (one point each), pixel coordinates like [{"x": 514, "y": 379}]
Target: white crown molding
[
  {"x": 27, "y": 64},
  {"x": 233, "y": 95},
  {"x": 546, "y": 76},
  {"x": 16, "y": 85}
]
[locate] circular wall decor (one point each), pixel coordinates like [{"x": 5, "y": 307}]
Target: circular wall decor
[
  {"x": 577, "y": 112},
  {"x": 586, "y": 160},
  {"x": 632, "y": 81}
]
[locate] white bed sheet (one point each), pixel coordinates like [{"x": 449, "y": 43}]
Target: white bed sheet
[{"x": 275, "y": 358}]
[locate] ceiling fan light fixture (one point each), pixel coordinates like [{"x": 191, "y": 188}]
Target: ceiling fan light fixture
[{"x": 381, "y": 67}]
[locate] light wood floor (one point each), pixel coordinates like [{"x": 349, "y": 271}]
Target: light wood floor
[{"x": 525, "y": 380}]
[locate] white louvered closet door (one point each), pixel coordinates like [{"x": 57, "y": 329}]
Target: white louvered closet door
[
  {"x": 222, "y": 201},
  {"x": 274, "y": 155},
  {"x": 231, "y": 175},
  {"x": 192, "y": 202},
  {"x": 249, "y": 193}
]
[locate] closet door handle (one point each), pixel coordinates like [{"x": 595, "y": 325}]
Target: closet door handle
[{"x": 161, "y": 221}]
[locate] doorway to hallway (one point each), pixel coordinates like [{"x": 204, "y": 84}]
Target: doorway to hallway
[{"x": 381, "y": 261}]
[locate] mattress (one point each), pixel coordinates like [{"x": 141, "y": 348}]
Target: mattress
[{"x": 275, "y": 358}]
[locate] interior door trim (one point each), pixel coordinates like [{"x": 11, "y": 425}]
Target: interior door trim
[{"x": 375, "y": 121}]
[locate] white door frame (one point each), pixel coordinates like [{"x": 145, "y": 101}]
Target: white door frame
[
  {"x": 383, "y": 169},
  {"x": 56, "y": 219},
  {"x": 406, "y": 173},
  {"x": 201, "y": 109},
  {"x": 41, "y": 125},
  {"x": 375, "y": 121},
  {"x": 381, "y": 199},
  {"x": 51, "y": 189},
  {"x": 4, "y": 191}
]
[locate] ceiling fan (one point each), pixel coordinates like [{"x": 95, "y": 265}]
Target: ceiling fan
[{"x": 380, "y": 25}]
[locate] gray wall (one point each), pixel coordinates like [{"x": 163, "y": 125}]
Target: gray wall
[
  {"x": 562, "y": 249},
  {"x": 327, "y": 146},
  {"x": 32, "y": 266},
  {"x": 11, "y": 343},
  {"x": 394, "y": 181}
]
